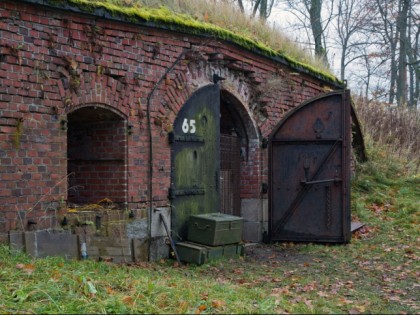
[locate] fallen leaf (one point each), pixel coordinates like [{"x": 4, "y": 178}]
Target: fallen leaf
[
  {"x": 127, "y": 300},
  {"x": 323, "y": 294},
  {"x": 308, "y": 303},
  {"x": 28, "y": 268},
  {"x": 183, "y": 306},
  {"x": 109, "y": 290},
  {"x": 238, "y": 271},
  {"x": 218, "y": 303},
  {"x": 354, "y": 311},
  {"x": 345, "y": 301},
  {"x": 202, "y": 307}
]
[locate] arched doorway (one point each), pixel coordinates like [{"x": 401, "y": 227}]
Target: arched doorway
[
  {"x": 96, "y": 148},
  {"x": 233, "y": 148},
  {"x": 209, "y": 142},
  {"x": 195, "y": 159}
]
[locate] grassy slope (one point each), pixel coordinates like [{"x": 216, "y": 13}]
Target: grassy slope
[{"x": 377, "y": 273}]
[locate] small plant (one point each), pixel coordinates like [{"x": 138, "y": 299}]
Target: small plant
[
  {"x": 15, "y": 51},
  {"x": 18, "y": 133}
]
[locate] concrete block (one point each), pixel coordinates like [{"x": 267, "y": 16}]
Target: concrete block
[
  {"x": 17, "y": 240},
  {"x": 140, "y": 249},
  {"x": 252, "y": 231},
  {"x": 265, "y": 219},
  {"x": 158, "y": 249},
  {"x": 137, "y": 229},
  {"x": 251, "y": 210},
  {"x": 157, "y": 227},
  {"x": 51, "y": 243},
  {"x": 116, "y": 229},
  {"x": 116, "y": 249}
]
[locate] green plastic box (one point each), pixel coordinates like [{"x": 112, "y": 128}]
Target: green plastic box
[
  {"x": 215, "y": 229},
  {"x": 199, "y": 254}
]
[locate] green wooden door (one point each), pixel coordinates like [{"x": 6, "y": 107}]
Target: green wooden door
[{"x": 195, "y": 170}]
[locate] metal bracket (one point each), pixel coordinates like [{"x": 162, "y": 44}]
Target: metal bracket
[{"x": 335, "y": 180}]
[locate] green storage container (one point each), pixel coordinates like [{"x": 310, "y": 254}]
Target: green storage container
[
  {"x": 215, "y": 229},
  {"x": 191, "y": 253},
  {"x": 199, "y": 254}
]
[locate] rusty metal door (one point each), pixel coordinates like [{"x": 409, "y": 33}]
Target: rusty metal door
[
  {"x": 309, "y": 172},
  {"x": 195, "y": 159}
]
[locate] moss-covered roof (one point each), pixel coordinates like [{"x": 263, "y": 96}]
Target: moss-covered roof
[{"x": 164, "y": 18}]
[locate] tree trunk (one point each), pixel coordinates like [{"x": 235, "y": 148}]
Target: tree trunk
[
  {"x": 402, "y": 58},
  {"x": 263, "y": 9},
  {"x": 241, "y": 6},
  {"x": 316, "y": 26},
  {"x": 413, "y": 64}
]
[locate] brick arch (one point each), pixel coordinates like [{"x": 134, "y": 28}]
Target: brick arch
[
  {"x": 96, "y": 154},
  {"x": 97, "y": 89},
  {"x": 243, "y": 113},
  {"x": 108, "y": 107}
]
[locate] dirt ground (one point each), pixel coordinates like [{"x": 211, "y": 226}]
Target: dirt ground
[{"x": 273, "y": 253}]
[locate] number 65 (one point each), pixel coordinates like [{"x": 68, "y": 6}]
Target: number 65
[{"x": 188, "y": 126}]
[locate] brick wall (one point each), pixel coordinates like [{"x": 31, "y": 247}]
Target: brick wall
[{"x": 54, "y": 63}]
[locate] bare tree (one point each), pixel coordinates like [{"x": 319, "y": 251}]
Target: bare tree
[
  {"x": 310, "y": 17},
  {"x": 413, "y": 53},
  {"x": 265, "y": 7},
  {"x": 241, "y": 6},
  {"x": 402, "y": 24},
  {"x": 380, "y": 38},
  {"x": 398, "y": 24},
  {"x": 350, "y": 26}
]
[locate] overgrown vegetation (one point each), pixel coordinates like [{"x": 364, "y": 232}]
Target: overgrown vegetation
[
  {"x": 376, "y": 273},
  {"x": 395, "y": 130},
  {"x": 212, "y": 18}
]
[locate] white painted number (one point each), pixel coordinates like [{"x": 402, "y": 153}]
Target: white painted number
[
  {"x": 188, "y": 127},
  {"x": 192, "y": 125}
]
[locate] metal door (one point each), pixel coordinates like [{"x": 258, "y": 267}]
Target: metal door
[
  {"x": 309, "y": 172},
  {"x": 195, "y": 158}
]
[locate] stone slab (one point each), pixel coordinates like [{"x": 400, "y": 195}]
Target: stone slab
[
  {"x": 159, "y": 249},
  {"x": 117, "y": 250},
  {"x": 140, "y": 250},
  {"x": 51, "y": 243},
  {"x": 251, "y": 210},
  {"x": 157, "y": 227},
  {"x": 17, "y": 240},
  {"x": 252, "y": 232},
  {"x": 137, "y": 229}
]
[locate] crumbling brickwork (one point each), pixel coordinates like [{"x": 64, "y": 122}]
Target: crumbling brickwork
[{"x": 54, "y": 64}]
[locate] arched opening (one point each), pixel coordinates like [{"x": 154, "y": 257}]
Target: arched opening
[
  {"x": 236, "y": 130},
  {"x": 96, "y": 152}
]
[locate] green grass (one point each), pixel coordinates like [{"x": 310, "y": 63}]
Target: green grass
[{"x": 377, "y": 272}]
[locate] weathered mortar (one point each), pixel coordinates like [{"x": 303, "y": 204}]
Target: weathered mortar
[{"x": 53, "y": 63}]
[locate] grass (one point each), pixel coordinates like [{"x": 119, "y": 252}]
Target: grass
[{"x": 377, "y": 272}]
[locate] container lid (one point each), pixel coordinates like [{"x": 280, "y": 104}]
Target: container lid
[{"x": 216, "y": 216}]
